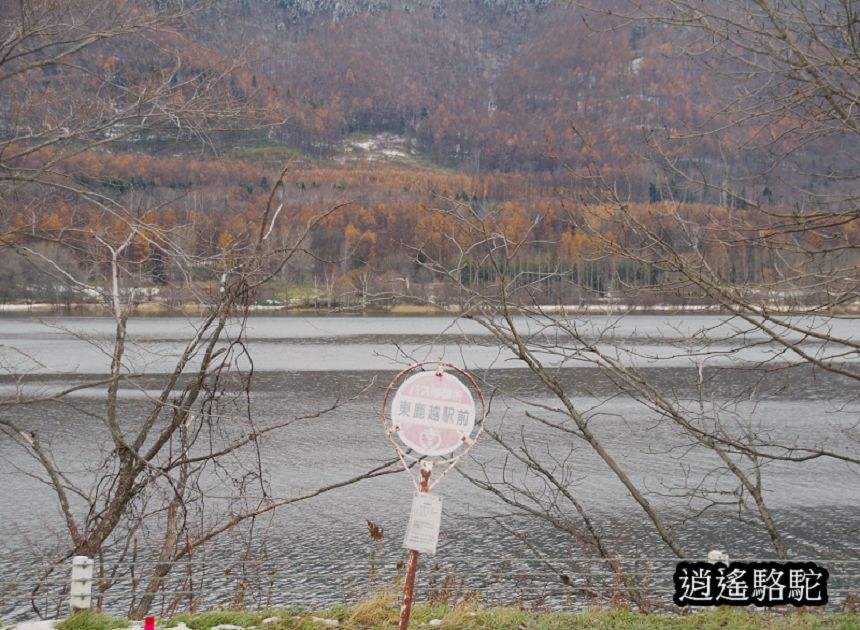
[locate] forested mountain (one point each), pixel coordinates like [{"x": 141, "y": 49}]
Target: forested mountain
[
  {"x": 492, "y": 85},
  {"x": 510, "y": 86},
  {"x": 520, "y": 109}
]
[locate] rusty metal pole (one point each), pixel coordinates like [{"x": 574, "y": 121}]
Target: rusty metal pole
[{"x": 412, "y": 562}]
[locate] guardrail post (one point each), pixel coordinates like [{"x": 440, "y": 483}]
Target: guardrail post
[{"x": 82, "y": 583}]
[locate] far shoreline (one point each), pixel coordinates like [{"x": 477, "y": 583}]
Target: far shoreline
[{"x": 161, "y": 309}]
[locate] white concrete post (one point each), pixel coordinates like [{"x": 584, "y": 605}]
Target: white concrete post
[{"x": 82, "y": 583}]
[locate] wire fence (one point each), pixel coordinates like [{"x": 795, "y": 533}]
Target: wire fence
[{"x": 545, "y": 583}]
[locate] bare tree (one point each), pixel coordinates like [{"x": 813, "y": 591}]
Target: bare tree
[
  {"x": 713, "y": 441},
  {"x": 780, "y": 269},
  {"x": 200, "y": 424},
  {"x": 86, "y": 74},
  {"x": 796, "y": 68},
  {"x": 778, "y": 258},
  {"x": 65, "y": 94}
]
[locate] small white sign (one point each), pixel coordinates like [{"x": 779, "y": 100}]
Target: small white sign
[{"x": 422, "y": 532}]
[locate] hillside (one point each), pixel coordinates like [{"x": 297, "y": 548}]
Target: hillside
[
  {"x": 494, "y": 85},
  {"x": 514, "y": 86},
  {"x": 537, "y": 117}
]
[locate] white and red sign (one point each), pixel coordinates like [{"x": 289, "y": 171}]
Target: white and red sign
[{"x": 433, "y": 413}]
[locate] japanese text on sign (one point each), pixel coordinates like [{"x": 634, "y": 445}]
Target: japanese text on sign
[
  {"x": 433, "y": 413},
  {"x": 422, "y": 531}
]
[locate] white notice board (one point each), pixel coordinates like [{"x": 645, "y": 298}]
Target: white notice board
[{"x": 422, "y": 532}]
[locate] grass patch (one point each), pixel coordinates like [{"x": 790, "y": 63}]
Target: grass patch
[
  {"x": 271, "y": 153},
  {"x": 90, "y": 620},
  {"x": 204, "y": 621},
  {"x": 379, "y": 611},
  {"x": 382, "y": 612},
  {"x": 306, "y": 292},
  {"x": 424, "y": 613},
  {"x": 415, "y": 309},
  {"x": 418, "y": 160},
  {"x": 719, "y": 619}
]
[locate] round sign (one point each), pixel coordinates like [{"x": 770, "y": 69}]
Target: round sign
[{"x": 433, "y": 413}]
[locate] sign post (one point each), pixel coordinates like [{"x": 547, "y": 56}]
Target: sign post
[
  {"x": 412, "y": 562},
  {"x": 432, "y": 421}
]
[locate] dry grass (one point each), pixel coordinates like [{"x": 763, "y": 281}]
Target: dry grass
[{"x": 381, "y": 610}]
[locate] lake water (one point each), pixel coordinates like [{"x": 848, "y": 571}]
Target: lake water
[{"x": 318, "y": 552}]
